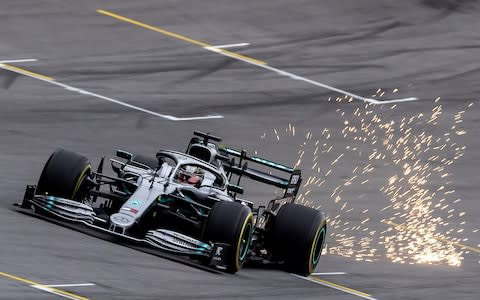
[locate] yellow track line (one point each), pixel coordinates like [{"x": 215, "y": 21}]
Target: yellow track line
[
  {"x": 441, "y": 239},
  {"x": 459, "y": 245},
  {"x": 336, "y": 286},
  {"x": 26, "y": 72},
  {"x": 176, "y": 35},
  {"x": 30, "y": 282},
  {"x": 339, "y": 286}
]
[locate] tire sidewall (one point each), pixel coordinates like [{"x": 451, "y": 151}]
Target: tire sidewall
[
  {"x": 297, "y": 231},
  {"x": 63, "y": 175},
  {"x": 229, "y": 223}
]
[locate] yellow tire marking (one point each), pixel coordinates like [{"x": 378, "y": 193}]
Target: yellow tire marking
[
  {"x": 459, "y": 245},
  {"x": 26, "y": 72},
  {"x": 80, "y": 179},
  {"x": 177, "y": 36},
  {"x": 247, "y": 220},
  {"x": 312, "y": 249},
  {"x": 30, "y": 282}
]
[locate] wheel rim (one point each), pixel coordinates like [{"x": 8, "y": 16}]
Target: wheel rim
[{"x": 245, "y": 241}]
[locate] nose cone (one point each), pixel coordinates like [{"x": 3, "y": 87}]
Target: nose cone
[{"x": 122, "y": 220}]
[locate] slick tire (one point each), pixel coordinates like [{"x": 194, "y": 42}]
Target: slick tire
[
  {"x": 231, "y": 223},
  {"x": 64, "y": 175},
  {"x": 299, "y": 235}
]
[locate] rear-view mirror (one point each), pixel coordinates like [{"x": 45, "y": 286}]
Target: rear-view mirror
[
  {"x": 235, "y": 188},
  {"x": 124, "y": 154}
]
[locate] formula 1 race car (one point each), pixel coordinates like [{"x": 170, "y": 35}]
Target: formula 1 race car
[{"x": 185, "y": 203}]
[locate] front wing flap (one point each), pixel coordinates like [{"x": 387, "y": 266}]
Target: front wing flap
[{"x": 68, "y": 209}]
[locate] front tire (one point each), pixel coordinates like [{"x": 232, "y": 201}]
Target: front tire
[
  {"x": 231, "y": 223},
  {"x": 299, "y": 235},
  {"x": 64, "y": 175}
]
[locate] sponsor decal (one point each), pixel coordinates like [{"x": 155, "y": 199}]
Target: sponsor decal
[
  {"x": 294, "y": 179},
  {"x": 218, "y": 258},
  {"x": 136, "y": 202},
  {"x": 290, "y": 190},
  {"x": 130, "y": 209}
]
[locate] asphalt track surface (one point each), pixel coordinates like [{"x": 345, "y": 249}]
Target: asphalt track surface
[{"x": 425, "y": 49}]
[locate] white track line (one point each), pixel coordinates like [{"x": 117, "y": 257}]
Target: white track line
[
  {"x": 337, "y": 287},
  {"x": 231, "y": 45},
  {"x": 313, "y": 82},
  {"x": 69, "y": 284},
  {"x": 48, "y": 290},
  {"x": 329, "y": 273},
  {"x": 85, "y": 92},
  {"x": 374, "y": 101},
  {"x": 11, "y": 61}
]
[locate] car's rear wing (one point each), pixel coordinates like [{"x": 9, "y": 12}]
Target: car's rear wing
[{"x": 290, "y": 185}]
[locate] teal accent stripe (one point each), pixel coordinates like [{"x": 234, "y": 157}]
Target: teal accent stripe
[{"x": 271, "y": 163}]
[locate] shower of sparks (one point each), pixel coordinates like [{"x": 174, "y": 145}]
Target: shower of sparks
[{"x": 419, "y": 215}]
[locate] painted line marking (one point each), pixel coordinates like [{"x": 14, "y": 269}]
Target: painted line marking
[
  {"x": 55, "y": 292},
  {"x": 231, "y": 45},
  {"x": 329, "y": 273},
  {"x": 337, "y": 287},
  {"x": 85, "y": 92},
  {"x": 26, "y": 72},
  {"x": 68, "y": 285},
  {"x": 11, "y": 61},
  {"x": 255, "y": 62},
  {"x": 172, "y": 34},
  {"x": 313, "y": 82},
  {"x": 44, "y": 288},
  {"x": 456, "y": 244}
]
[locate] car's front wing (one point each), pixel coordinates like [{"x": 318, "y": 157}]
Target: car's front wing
[{"x": 163, "y": 239}]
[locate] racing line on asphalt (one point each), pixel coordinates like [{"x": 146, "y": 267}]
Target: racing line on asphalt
[
  {"x": 11, "y": 61},
  {"x": 17, "y": 70},
  {"x": 45, "y": 288},
  {"x": 232, "y": 45},
  {"x": 246, "y": 59},
  {"x": 336, "y": 286}
]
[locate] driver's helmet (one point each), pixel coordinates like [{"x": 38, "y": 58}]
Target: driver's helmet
[{"x": 190, "y": 174}]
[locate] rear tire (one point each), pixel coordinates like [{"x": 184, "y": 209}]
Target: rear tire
[
  {"x": 231, "y": 223},
  {"x": 64, "y": 175},
  {"x": 299, "y": 235}
]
